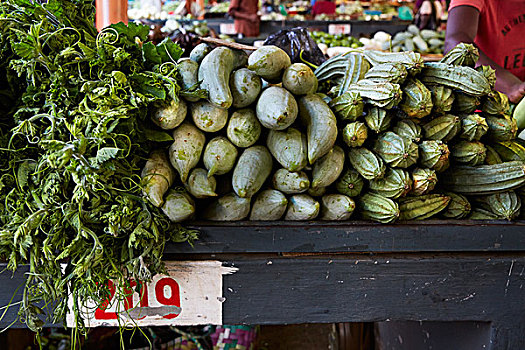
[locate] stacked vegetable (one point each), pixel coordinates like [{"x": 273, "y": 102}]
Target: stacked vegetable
[
  {"x": 425, "y": 139},
  {"x": 248, "y": 151},
  {"x": 413, "y": 39},
  {"x": 276, "y": 152},
  {"x": 335, "y": 40}
]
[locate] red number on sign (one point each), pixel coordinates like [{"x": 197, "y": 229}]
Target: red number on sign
[
  {"x": 173, "y": 300},
  {"x": 100, "y": 312}
]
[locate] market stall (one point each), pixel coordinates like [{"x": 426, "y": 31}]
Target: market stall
[
  {"x": 362, "y": 272},
  {"x": 145, "y": 184}
]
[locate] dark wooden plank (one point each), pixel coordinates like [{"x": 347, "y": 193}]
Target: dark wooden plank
[
  {"x": 355, "y": 236},
  {"x": 355, "y": 288},
  {"x": 342, "y": 289},
  {"x": 12, "y": 286}
]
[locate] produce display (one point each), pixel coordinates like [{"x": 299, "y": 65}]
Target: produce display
[
  {"x": 108, "y": 142},
  {"x": 221, "y": 7},
  {"x": 413, "y": 39},
  {"x": 335, "y": 40},
  {"x": 393, "y": 138},
  {"x": 434, "y": 138}
]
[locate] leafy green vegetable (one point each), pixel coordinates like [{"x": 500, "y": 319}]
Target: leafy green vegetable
[{"x": 74, "y": 134}]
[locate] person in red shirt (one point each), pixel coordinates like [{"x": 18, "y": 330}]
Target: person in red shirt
[
  {"x": 244, "y": 13},
  {"x": 497, "y": 28},
  {"x": 323, "y": 7}
]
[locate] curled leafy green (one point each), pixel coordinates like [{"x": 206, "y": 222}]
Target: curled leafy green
[{"x": 73, "y": 139}]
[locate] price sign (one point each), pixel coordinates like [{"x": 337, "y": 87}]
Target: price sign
[
  {"x": 227, "y": 28},
  {"x": 190, "y": 294},
  {"x": 334, "y": 29}
]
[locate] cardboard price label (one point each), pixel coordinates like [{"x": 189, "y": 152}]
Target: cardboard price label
[
  {"x": 227, "y": 28},
  {"x": 190, "y": 294},
  {"x": 334, "y": 29}
]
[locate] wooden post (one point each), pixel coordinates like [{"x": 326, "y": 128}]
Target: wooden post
[{"x": 110, "y": 12}]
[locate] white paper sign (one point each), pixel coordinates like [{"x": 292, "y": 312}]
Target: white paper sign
[
  {"x": 191, "y": 294},
  {"x": 334, "y": 29},
  {"x": 227, "y": 28}
]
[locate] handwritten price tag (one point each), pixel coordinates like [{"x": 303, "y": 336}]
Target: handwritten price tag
[
  {"x": 227, "y": 28},
  {"x": 190, "y": 294},
  {"x": 334, "y": 29}
]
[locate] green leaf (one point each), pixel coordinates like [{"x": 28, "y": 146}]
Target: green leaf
[
  {"x": 157, "y": 135},
  {"x": 55, "y": 7},
  {"x": 169, "y": 51},
  {"x": 148, "y": 86},
  {"x": 25, "y": 50},
  {"x": 131, "y": 31},
  {"x": 151, "y": 54},
  {"x": 119, "y": 76},
  {"x": 106, "y": 153},
  {"x": 24, "y": 171},
  {"x": 89, "y": 53}
]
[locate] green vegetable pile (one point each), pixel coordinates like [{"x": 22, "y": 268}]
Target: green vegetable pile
[
  {"x": 336, "y": 40},
  {"x": 73, "y": 137}
]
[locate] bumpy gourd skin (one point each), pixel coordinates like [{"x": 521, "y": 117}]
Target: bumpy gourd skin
[
  {"x": 289, "y": 148},
  {"x": 484, "y": 179},
  {"x": 464, "y": 79},
  {"x": 378, "y": 208},
  {"x": 269, "y": 205},
  {"x": 252, "y": 170},
  {"x": 188, "y": 71},
  {"x": 412, "y": 61},
  {"x": 355, "y": 134},
  {"x": 378, "y": 119},
  {"x": 328, "y": 168},
  {"x": 434, "y": 155},
  {"x": 245, "y": 87},
  {"x": 501, "y": 129},
  {"x": 170, "y": 116},
  {"x": 243, "y": 128},
  {"x": 417, "y": 99},
  {"x": 321, "y": 126},
  {"x": 442, "y": 99},
  {"x": 186, "y": 149},
  {"x": 269, "y": 62},
  {"x": 214, "y": 74},
  {"x": 422, "y": 207},
  {"x": 368, "y": 164},
  {"x": 409, "y": 130},
  {"x": 392, "y": 72},
  {"x": 229, "y": 207},
  {"x": 276, "y": 108},
  {"x": 351, "y": 183},
  {"x": 424, "y": 181},
  {"x": 468, "y": 152},
  {"x": 396, "y": 183},
  {"x": 458, "y": 207},
  {"x": 158, "y": 176}
]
